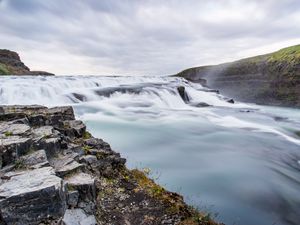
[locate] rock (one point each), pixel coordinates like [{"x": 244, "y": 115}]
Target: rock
[
  {"x": 97, "y": 144},
  {"x": 65, "y": 165},
  {"x": 74, "y": 128},
  {"x": 50, "y": 145},
  {"x": 13, "y": 147},
  {"x": 68, "y": 169},
  {"x": 230, "y": 101},
  {"x": 84, "y": 184},
  {"x": 72, "y": 199},
  {"x": 35, "y": 160},
  {"x": 9, "y": 129},
  {"x": 78, "y": 217},
  {"x": 201, "y": 105},
  {"x": 32, "y": 197},
  {"x": 183, "y": 94},
  {"x": 44, "y": 131},
  {"x": 79, "y": 97},
  {"x": 88, "y": 159}
]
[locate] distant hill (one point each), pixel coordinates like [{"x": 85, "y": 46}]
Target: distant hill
[
  {"x": 271, "y": 79},
  {"x": 11, "y": 64}
]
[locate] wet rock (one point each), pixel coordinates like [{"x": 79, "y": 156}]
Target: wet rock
[
  {"x": 230, "y": 101},
  {"x": 79, "y": 97},
  {"x": 183, "y": 94},
  {"x": 35, "y": 160},
  {"x": 201, "y": 105},
  {"x": 78, "y": 217},
  {"x": 32, "y": 197}
]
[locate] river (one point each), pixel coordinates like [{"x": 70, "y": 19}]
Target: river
[{"x": 239, "y": 162}]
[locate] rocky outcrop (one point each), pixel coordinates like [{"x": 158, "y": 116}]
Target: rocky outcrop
[
  {"x": 11, "y": 64},
  {"x": 272, "y": 79},
  {"x": 52, "y": 171}
]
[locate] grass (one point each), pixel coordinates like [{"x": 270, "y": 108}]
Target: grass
[
  {"x": 290, "y": 55},
  {"x": 86, "y": 149},
  {"x": 19, "y": 164},
  {"x": 4, "y": 70}
]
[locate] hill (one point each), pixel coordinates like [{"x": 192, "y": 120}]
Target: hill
[
  {"x": 271, "y": 79},
  {"x": 11, "y": 64}
]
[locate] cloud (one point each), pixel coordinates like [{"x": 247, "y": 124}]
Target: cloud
[{"x": 148, "y": 37}]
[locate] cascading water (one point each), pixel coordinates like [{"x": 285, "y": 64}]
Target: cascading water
[{"x": 240, "y": 160}]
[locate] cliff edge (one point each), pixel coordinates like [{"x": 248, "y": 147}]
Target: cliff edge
[
  {"x": 52, "y": 171},
  {"x": 271, "y": 79},
  {"x": 11, "y": 64}
]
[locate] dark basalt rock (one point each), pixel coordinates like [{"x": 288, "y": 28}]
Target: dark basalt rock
[
  {"x": 230, "y": 101},
  {"x": 183, "y": 94}
]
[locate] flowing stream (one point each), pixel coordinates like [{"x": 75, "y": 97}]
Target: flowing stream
[{"x": 239, "y": 162}]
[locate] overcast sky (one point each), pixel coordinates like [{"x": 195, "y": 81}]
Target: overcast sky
[{"x": 150, "y": 37}]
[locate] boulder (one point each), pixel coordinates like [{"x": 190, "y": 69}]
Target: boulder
[
  {"x": 32, "y": 197},
  {"x": 183, "y": 94}
]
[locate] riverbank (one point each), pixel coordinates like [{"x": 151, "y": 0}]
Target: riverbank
[
  {"x": 55, "y": 172},
  {"x": 270, "y": 79}
]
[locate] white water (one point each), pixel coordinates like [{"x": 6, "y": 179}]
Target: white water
[{"x": 226, "y": 155}]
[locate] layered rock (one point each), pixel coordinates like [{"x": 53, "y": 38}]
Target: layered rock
[
  {"x": 53, "y": 171},
  {"x": 11, "y": 64},
  {"x": 272, "y": 79}
]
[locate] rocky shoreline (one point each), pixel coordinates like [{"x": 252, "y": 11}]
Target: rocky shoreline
[{"x": 52, "y": 171}]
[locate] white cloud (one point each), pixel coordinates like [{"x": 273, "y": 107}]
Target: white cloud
[{"x": 143, "y": 37}]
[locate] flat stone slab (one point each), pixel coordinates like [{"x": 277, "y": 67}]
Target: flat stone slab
[
  {"x": 69, "y": 168},
  {"x": 43, "y": 131},
  {"x": 7, "y": 129},
  {"x": 32, "y": 197},
  {"x": 78, "y": 217},
  {"x": 35, "y": 160}
]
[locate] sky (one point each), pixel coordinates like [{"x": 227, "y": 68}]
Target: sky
[{"x": 143, "y": 37}]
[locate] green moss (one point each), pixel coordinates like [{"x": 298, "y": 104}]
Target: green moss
[
  {"x": 86, "y": 135},
  {"x": 4, "y": 70},
  {"x": 8, "y": 133}
]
